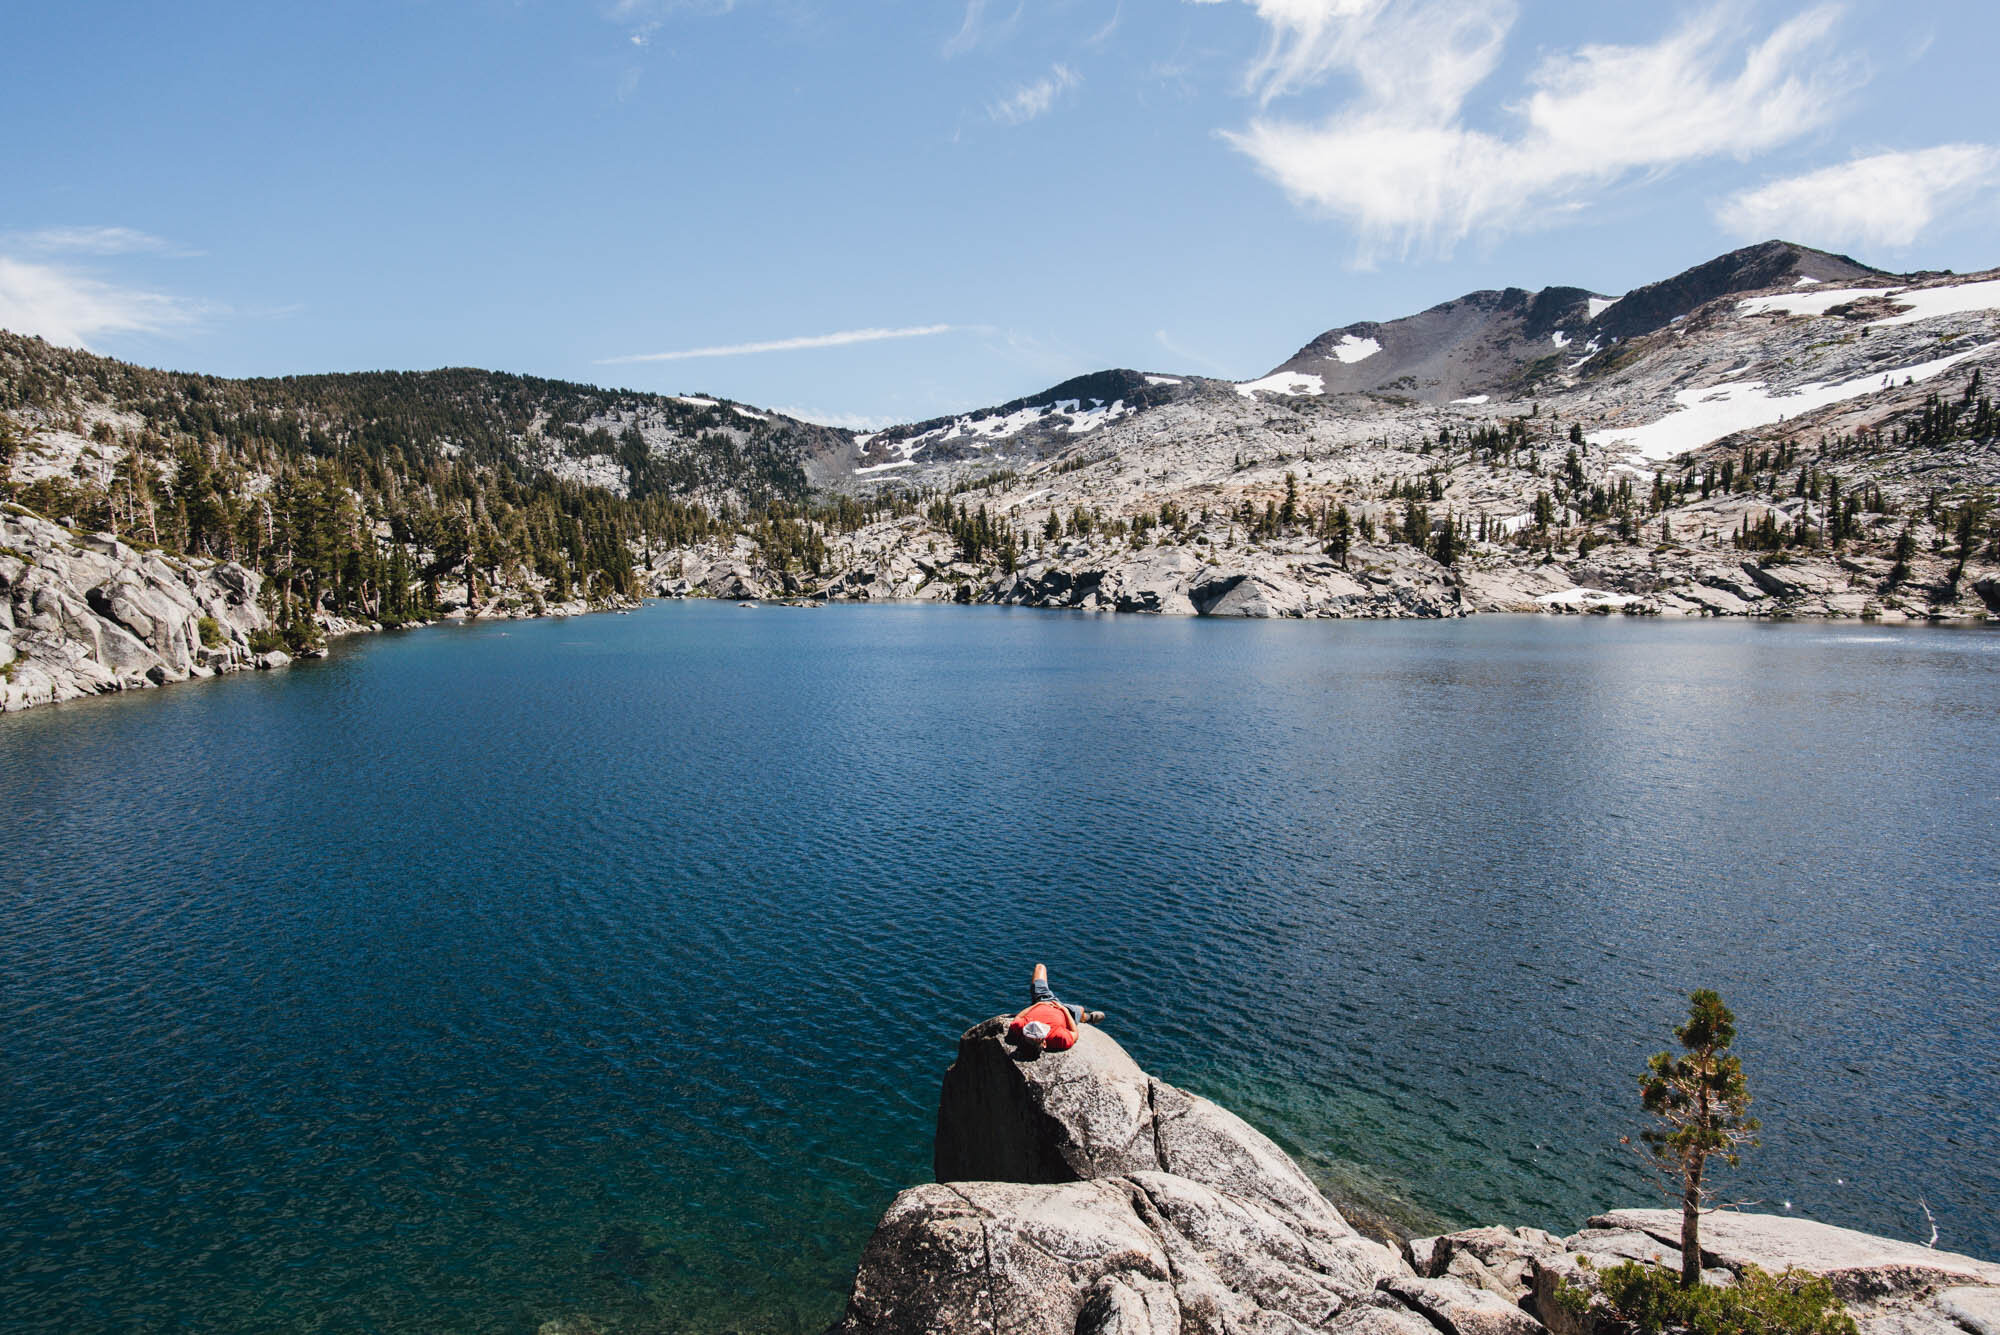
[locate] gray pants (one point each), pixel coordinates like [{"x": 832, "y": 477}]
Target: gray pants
[{"x": 1040, "y": 991}]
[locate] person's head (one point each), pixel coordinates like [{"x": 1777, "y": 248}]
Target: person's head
[{"x": 1033, "y": 1034}]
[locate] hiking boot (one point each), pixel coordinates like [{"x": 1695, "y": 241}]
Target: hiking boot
[{"x": 1093, "y": 1017}]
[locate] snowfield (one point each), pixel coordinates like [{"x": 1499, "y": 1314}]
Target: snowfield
[
  {"x": 1284, "y": 382},
  {"x": 1925, "y": 303},
  {"x": 1709, "y": 413},
  {"x": 1351, "y": 349}
]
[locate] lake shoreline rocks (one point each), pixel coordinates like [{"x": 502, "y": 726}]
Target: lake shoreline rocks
[
  {"x": 1377, "y": 582},
  {"x": 85, "y": 614},
  {"x": 1079, "y": 1195}
]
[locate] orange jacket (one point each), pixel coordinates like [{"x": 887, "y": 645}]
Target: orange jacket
[{"x": 1062, "y": 1025}]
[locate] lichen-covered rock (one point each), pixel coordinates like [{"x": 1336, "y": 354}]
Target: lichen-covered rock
[
  {"x": 1499, "y": 1260},
  {"x": 1078, "y": 1193},
  {"x": 1091, "y": 1111},
  {"x": 1452, "y": 1304}
]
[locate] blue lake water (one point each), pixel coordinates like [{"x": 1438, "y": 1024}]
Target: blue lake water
[{"x": 476, "y": 977}]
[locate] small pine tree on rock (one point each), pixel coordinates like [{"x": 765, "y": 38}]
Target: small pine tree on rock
[{"x": 1702, "y": 1103}]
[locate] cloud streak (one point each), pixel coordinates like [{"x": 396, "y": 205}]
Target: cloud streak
[
  {"x": 73, "y": 309},
  {"x": 841, "y": 339},
  {"x": 1886, "y": 199},
  {"x": 1034, "y": 100},
  {"x": 1398, "y": 161},
  {"x": 97, "y": 241}
]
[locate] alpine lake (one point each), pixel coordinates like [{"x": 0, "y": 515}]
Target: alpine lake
[{"x": 477, "y": 977}]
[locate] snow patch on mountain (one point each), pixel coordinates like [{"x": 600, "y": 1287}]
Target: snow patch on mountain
[
  {"x": 983, "y": 432},
  {"x": 1284, "y": 382},
  {"x": 1928, "y": 303},
  {"x": 1599, "y": 305},
  {"x": 1809, "y": 303},
  {"x": 1711, "y": 412},
  {"x": 1351, "y": 349}
]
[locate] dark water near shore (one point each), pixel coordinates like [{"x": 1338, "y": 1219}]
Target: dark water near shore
[{"x": 477, "y": 977}]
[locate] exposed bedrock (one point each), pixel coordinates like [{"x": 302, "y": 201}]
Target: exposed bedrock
[
  {"x": 1078, "y": 1195},
  {"x": 86, "y": 613}
]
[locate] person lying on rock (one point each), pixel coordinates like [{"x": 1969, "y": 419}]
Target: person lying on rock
[{"x": 1047, "y": 1022}]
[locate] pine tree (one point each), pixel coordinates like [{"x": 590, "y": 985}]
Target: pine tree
[
  {"x": 1906, "y": 547},
  {"x": 1446, "y": 542},
  {"x": 1701, "y": 1102},
  {"x": 1341, "y": 540}
]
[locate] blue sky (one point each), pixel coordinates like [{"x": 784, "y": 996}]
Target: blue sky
[{"x": 887, "y": 209}]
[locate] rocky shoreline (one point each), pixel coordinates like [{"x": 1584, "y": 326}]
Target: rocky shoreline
[
  {"x": 85, "y": 614},
  {"x": 89, "y": 614},
  {"x": 1078, "y": 1195},
  {"x": 1389, "y": 581}
]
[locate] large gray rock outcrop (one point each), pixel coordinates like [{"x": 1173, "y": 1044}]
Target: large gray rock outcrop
[
  {"x": 1177, "y": 581},
  {"x": 86, "y": 613},
  {"x": 1077, "y": 1193}
]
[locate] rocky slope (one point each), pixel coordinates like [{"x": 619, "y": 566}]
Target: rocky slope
[
  {"x": 86, "y": 614},
  {"x": 1078, "y": 1195},
  {"x": 1487, "y": 339},
  {"x": 1752, "y": 437},
  {"x": 82, "y": 614}
]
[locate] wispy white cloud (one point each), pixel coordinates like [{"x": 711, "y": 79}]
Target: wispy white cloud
[
  {"x": 1033, "y": 100},
  {"x": 96, "y": 241},
  {"x": 73, "y": 309},
  {"x": 1398, "y": 160},
  {"x": 623, "y": 11},
  {"x": 835, "y": 340},
  {"x": 967, "y": 35},
  {"x": 976, "y": 29},
  {"x": 1885, "y": 199},
  {"x": 1103, "y": 34}
]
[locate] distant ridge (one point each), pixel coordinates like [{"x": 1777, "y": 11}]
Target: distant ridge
[{"x": 1488, "y": 338}]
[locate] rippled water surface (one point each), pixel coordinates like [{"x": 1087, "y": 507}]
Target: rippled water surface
[{"x": 477, "y": 977}]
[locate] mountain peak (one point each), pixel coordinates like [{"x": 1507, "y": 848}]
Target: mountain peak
[
  {"x": 1750, "y": 269},
  {"x": 1494, "y": 337}
]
